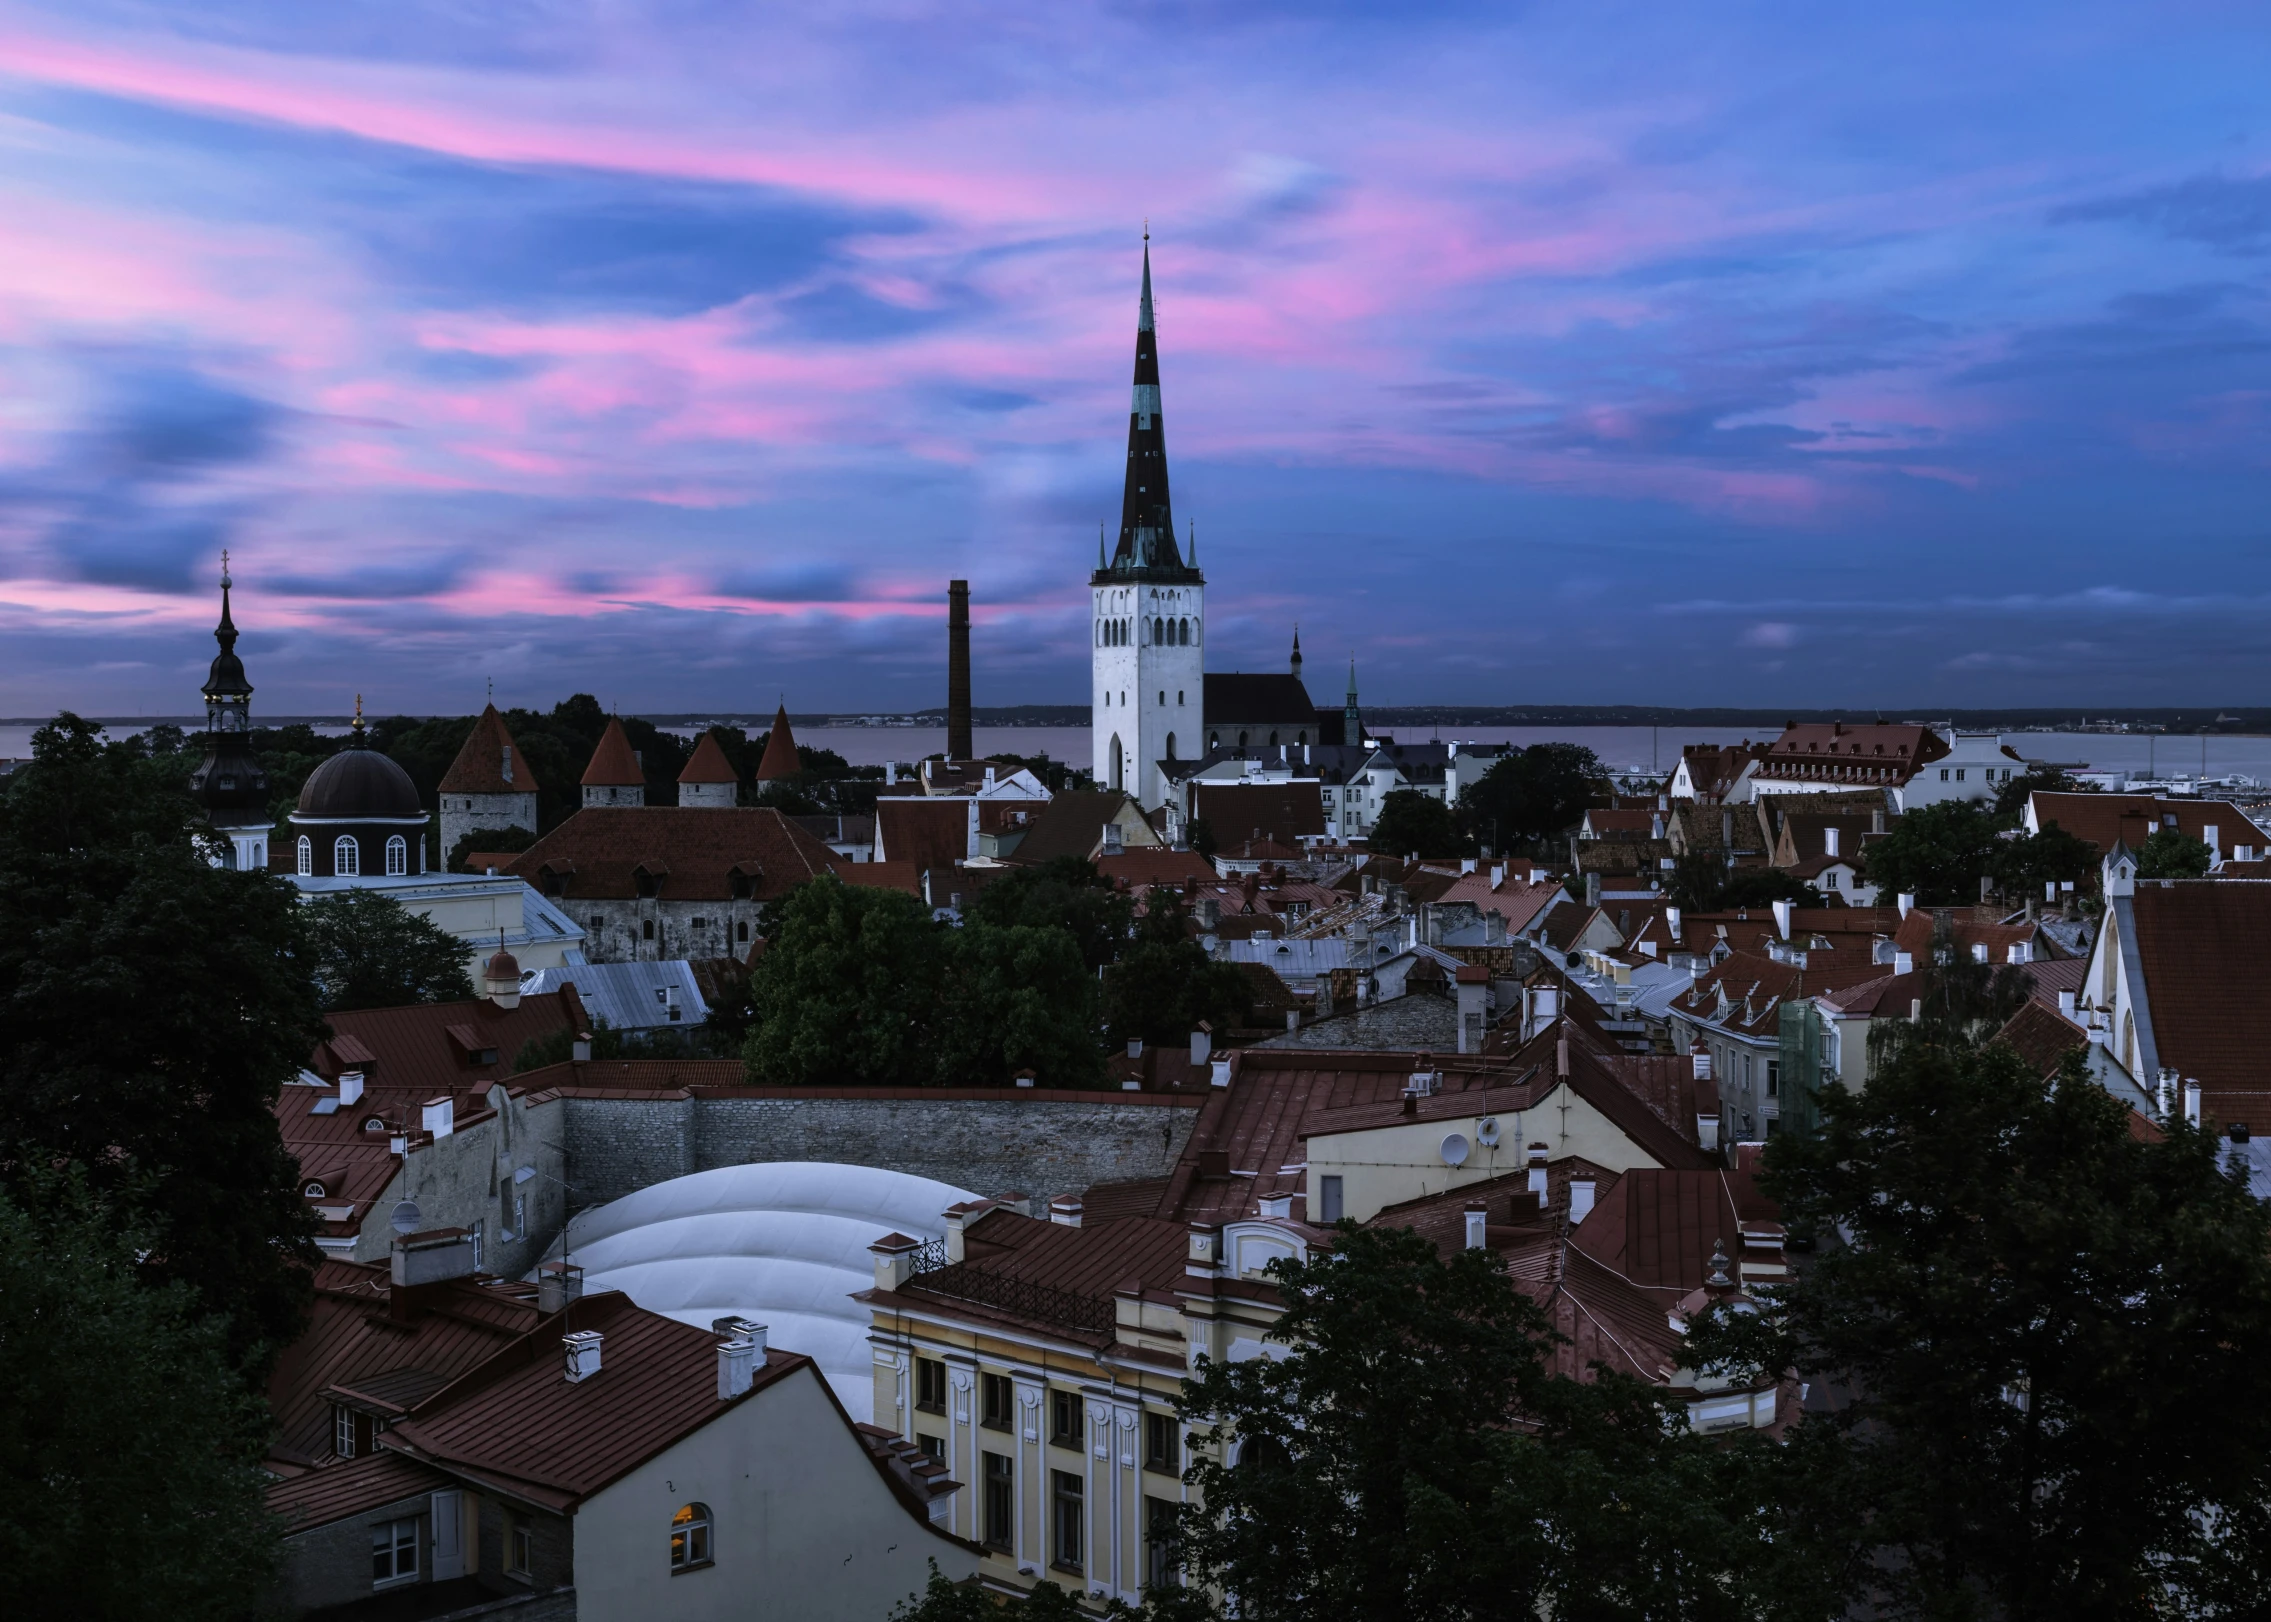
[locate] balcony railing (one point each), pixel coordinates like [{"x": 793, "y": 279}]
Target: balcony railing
[{"x": 960, "y": 1281}]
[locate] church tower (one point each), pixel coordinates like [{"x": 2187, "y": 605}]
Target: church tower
[
  {"x": 1148, "y": 608},
  {"x": 230, "y": 782}
]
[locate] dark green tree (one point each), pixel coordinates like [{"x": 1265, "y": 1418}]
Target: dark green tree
[
  {"x": 487, "y": 839},
  {"x": 367, "y": 950},
  {"x": 1067, "y": 893},
  {"x": 1412, "y": 823},
  {"x": 1937, "y": 853},
  {"x": 2168, "y": 853},
  {"x": 1014, "y": 998},
  {"x": 2052, "y": 1342},
  {"x": 1703, "y": 882},
  {"x": 943, "y": 1601},
  {"x": 1165, "y": 983},
  {"x": 151, "y": 1007},
  {"x": 1533, "y": 796},
  {"x": 1412, "y": 1455},
  {"x": 130, "y": 1481},
  {"x": 847, "y": 989},
  {"x": 1199, "y": 835},
  {"x": 2025, "y": 864}
]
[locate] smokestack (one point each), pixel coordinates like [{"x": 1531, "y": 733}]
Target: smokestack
[{"x": 958, "y": 671}]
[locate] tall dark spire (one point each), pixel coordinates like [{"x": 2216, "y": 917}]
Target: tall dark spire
[
  {"x": 230, "y": 782},
  {"x": 1147, "y": 519}
]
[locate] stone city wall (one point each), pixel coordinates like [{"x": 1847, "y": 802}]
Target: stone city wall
[{"x": 1038, "y": 1142}]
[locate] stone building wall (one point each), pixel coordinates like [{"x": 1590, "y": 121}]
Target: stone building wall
[
  {"x": 643, "y": 930},
  {"x": 484, "y": 813},
  {"x": 1039, "y": 1142}
]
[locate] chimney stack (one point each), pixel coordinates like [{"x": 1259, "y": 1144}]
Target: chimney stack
[
  {"x": 1478, "y": 1220},
  {"x": 1830, "y": 841},
  {"x": 1580, "y": 1202},
  {"x": 350, "y": 1087},
  {"x": 581, "y": 1347},
  {"x": 1064, "y": 1210},
  {"x": 737, "y": 1367},
  {"x": 958, "y": 745}
]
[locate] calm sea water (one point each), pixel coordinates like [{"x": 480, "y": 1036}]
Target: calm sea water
[{"x": 1618, "y": 747}]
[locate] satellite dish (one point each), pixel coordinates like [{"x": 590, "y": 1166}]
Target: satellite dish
[
  {"x": 1455, "y": 1149},
  {"x": 1486, "y": 1131},
  {"x": 406, "y": 1219}
]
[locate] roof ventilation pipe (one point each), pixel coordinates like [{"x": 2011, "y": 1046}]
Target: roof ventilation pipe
[
  {"x": 581, "y": 1347},
  {"x": 1478, "y": 1222}
]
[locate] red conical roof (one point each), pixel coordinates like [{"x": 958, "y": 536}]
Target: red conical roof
[
  {"x": 780, "y": 751},
  {"x": 709, "y": 764},
  {"x": 613, "y": 765},
  {"x": 480, "y": 765}
]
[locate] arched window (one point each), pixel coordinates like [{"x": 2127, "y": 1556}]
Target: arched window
[
  {"x": 1183, "y": 632},
  {"x": 307, "y": 857},
  {"x": 397, "y": 856},
  {"x": 346, "y": 857},
  {"x": 1241, "y": 740},
  {"x": 1170, "y": 746},
  {"x": 1273, "y": 740},
  {"x": 1116, "y": 762},
  {"x": 690, "y": 1537}
]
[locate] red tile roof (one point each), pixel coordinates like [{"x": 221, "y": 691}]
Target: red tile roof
[
  {"x": 781, "y": 759},
  {"x": 709, "y": 764},
  {"x": 516, "y": 1420},
  {"x": 1877, "y": 752},
  {"x": 1280, "y": 812},
  {"x": 1155, "y": 865},
  {"x": 433, "y": 1047},
  {"x": 907, "y": 876},
  {"x": 686, "y": 854},
  {"x": 355, "y": 1338},
  {"x": 614, "y": 764},
  {"x": 2205, "y": 948},
  {"x": 927, "y": 830},
  {"x": 2131, "y": 819},
  {"x": 479, "y": 766},
  {"x": 2042, "y": 1036},
  {"x": 319, "y": 1497},
  {"x": 1072, "y": 824}
]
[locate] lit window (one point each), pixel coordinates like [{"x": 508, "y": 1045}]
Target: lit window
[
  {"x": 394, "y": 1552},
  {"x": 397, "y": 856},
  {"x": 690, "y": 1537},
  {"x": 346, "y": 857}
]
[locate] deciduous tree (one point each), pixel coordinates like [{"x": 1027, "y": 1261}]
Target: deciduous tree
[
  {"x": 1415, "y": 824},
  {"x": 1937, "y": 853},
  {"x": 368, "y": 950},
  {"x": 1533, "y": 795}
]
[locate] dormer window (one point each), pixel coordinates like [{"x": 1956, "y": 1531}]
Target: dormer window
[
  {"x": 313, "y": 1190},
  {"x": 374, "y": 1123}
]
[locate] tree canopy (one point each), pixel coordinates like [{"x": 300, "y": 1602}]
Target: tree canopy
[
  {"x": 2168, "y": 853},
  {"x": 1533, "y": 795},
  {"x": 2049, "y": 1341},
  {"x": 1703, "y": 882},
  {"x": 130, "y": 1481},
  {"x": 367, "y": 950},
  {"x": 1937, "y": 853},
  {"x": 859, "y": 985},
  {"x": 1067, "y": 893},
  {"x": 1411, "y": 1454},
  {"x": 151, "y": 1007},
  {"x": 1165, "y": 985},
  {"x": 1413, "y": 823}
]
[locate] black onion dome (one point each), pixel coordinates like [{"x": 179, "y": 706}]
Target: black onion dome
[{"x": 360, "y": 784}]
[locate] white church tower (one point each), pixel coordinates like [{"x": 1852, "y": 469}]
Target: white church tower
[{"x": 1148, "y": 626}]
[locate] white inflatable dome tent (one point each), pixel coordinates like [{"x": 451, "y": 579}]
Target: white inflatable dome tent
[{"x": 783, "y": 1243}]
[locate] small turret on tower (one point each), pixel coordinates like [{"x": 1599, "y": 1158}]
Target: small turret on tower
[{"x": 230, "y": 783}]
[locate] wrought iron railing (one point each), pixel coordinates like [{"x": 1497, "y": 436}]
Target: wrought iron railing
[
  {"x": 962, "y": 1282},
  {"x": 929, "y": 1258}
]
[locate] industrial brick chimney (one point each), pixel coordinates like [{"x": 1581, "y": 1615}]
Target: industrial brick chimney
[{"x": 958, "y": 671}]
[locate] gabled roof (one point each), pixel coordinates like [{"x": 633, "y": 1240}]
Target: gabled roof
[
  {"x": 2042, "y": 1036},
  {"x": 2204, "y": 946},
  {"x": 2106, "y": 820},
  {"x": 1281, "y": 812},
  {"x": 690, "y": 855},
  {"x": 614, "y": 764},
  {"x": 517, "y": 1421},
  {"x": 1072, "y": 824},
  {"x": 709, "y": 764},
  {"x": 1235, "y": 699},
  {"x": 320, "y": 1497},
  {"x": 927, "y": 831},
  {"x": 480, "y": 765},
  {"x": 432, "y": 1047},
  {"x": 1834, "y": 749},
  {"x": 781, "y": 759}
]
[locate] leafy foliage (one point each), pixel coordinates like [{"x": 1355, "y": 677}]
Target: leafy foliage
[
  {"x": 943, "y": 1601},
  {"x": 130, "y": 1484},
  {"x": 2052, "y": 1339},
  {"x": 2030, "y": 861},
  {"x": 1412, "y": 1455},
  {"x": 860, "y": 986},
  {"x": 1703, "y": 882},
  {"x": 1937, "y": 853},
  {"x": 1067, "y": 893},
  {"x": 2011, "y": 798},
  {"x": 151, "y": 1007},
  {"x": 367, "y": 950},
  {"x": 1165, "y": 984},
  {"x": 1534, "y": 795},
  {"x": 487, "y": 839},
  {"x": 2168, "y": 853},
  {"x": 1412, "y": 823}
]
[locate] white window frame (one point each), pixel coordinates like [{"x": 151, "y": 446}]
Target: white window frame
[
  {"x": 307, "y": 857},
  {"x": 346, "y": 857},
  {"x": 395, "y": 1541},
  {"x": 397, "y": 856},
  {"x": 342, "y": 1430}
]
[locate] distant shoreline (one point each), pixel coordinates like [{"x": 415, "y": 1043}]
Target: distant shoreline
[{"x": 2172, "y": 720}]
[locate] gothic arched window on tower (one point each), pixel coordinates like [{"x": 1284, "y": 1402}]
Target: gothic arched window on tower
[
  {"x": 397, "y": 856},
  {"x": 346, "y": 857}
]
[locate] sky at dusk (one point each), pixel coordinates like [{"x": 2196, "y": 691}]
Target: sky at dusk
[{"x": 681, "y": 353}]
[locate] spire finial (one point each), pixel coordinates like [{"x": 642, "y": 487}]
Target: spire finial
[
  {"x": 1099, "y": 544},
  {"x": 492, "y": 691},
  {"x": 358, "y": 720},
  {"x": 224, "y": 568},
  {"x": 1193, "y": 526}
]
